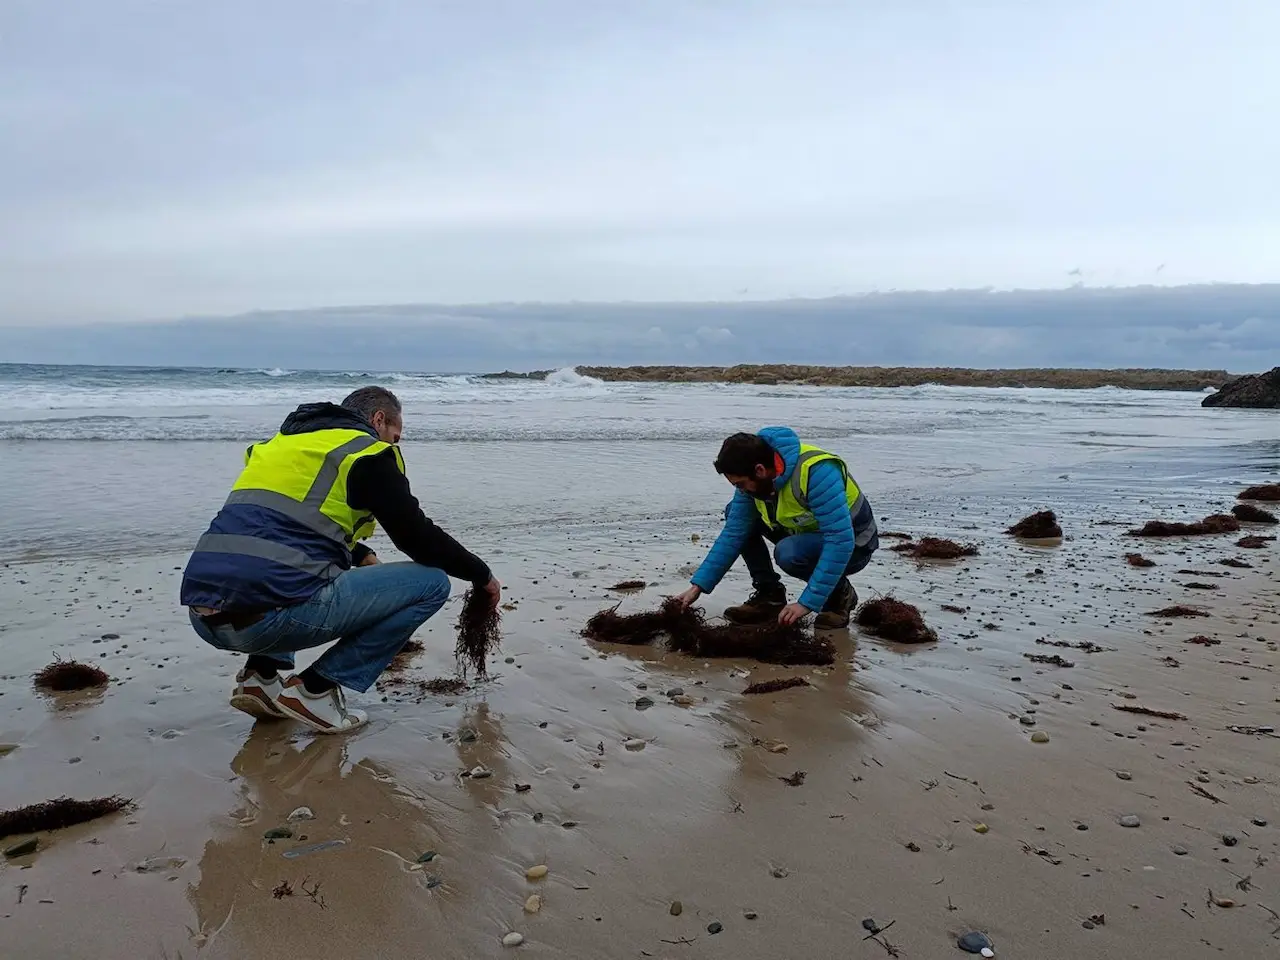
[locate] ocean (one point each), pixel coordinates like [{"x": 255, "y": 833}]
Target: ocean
[{"x": 122, "y": 461}]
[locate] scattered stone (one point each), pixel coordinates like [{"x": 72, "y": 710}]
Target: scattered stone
[
  {"x": 302, "y": 813},
  {"x": 675, "y": 692},
  {"x": 533, "y": 904},
  {"x": 1039, "y": 526},
  {"x": 513, "y": 940},
  {"x": 980, "y": 828},
  {"x": 1130, "y": 820},
  {"x": 913, "y": 846},
  {"x": 634, "y": 744},
  {"x": 1179, "y": 850},
  {"x": 677, "y": 908},
  {"x": 683, "y": 701},
  {"x": 1039, "y": 737},
  {"x": 644, "y": 703},
  {"x": 1082, "y": 826},
  {"x": 1259, "y": 822},
  {"x": 523, "y": 787},
  {"x": 536, "y": 873},
  {"x": 750, "y": 915},
  {"x": 1027, "y": 721},
  {"x": 975, "y": 942},
  {"x": 24, "y": 848},
  {"x": 480, "y": 773},
  {"x": 1088, "y": 924},
  {"x": 1123, "y": 775},
  {"x": 714, "y": 927},
  {"x": 1229, "y": 841},
  {"x": 776, "y": 746},
  {"x": 7, "y": 748},
  {"x": 427, "y": 857},
  {"x": 278, "y": 833}
]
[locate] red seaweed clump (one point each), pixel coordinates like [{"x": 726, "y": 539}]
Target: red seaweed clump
[
  {"x": 479, "y": 632},
  {"x": 935, "y": 548},
  {"x": 1138, "y": 560},
  {"x": 1217, "y": 523},
  {"x": 1253, "y": 542},
  {"x": 892, "y": 619},
  {"x": 56, "y": 814},
  {"x": 1266, "y": 492},
  {"x": 1248, "y": 513},
  {"x": 1178, "y": 610},
  {"x": 1039, "y": 526},
  {"x": 63, "y": 675},
  {"x": 773, "y": 686}
]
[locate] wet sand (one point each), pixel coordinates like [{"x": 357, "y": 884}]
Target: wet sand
[{"x": 904, "y": 750}]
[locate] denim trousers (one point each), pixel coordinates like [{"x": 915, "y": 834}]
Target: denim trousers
[{"x": 370, "y": 611}]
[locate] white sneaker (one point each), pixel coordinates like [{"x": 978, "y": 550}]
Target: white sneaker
[
  {"x": 322, "y": 712},
  {"x": 256, "y": 695}
]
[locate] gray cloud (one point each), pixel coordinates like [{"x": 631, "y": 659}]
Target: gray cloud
[
  {"x": 1231, "y": 326},
  {"x": 173, "y": 159}
]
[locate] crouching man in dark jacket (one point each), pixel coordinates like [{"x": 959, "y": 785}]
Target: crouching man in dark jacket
[{"x": 282, "y": 568}]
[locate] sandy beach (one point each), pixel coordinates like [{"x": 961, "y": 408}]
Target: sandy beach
[{"x": 905, "y": 751}]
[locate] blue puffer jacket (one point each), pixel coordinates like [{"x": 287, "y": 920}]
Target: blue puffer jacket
[{"x": 826, "y": 501}]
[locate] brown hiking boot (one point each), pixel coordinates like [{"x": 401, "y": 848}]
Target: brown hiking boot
[
  {"x": 762, "y": 606},
  {"x": 835, "y": 614}
]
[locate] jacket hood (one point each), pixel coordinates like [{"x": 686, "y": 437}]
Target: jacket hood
[
  {"x": 311, "y": 417},
  {"x": 786, "y": 443}
]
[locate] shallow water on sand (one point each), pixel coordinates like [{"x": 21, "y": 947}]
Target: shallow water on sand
[{"x": 905, "y": 750}]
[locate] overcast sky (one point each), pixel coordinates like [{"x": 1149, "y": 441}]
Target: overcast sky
[{"x": 165, "y": 159}]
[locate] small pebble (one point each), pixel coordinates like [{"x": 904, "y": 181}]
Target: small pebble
[
  {"x": 480, "y": 773},
  {"x": 714, "y": 927},
  {"x": 533, "y": 904},
  {"x": 683, "y": 701},
  {"x": 1130, "y": 820},
  {"x": 302, "y": 813},
  {"x": 1027, "y": 721},
  {"x": 987, "y": 952},
  {"x": 974, "y": 942},
  {"x": 278, "y": 833},
  {"x": 1259, "y": 822},
  {"x": 750, "y": 915},
  {"x": 1229, "y": 841},
  {"x": 1082, "y": 826},
  {"x": 677, "y": 908},
  {"x": 1039, "y": 737},
  {"x": 1124, "y": 775},
  {"x": 1179, "y": 850},
  {"x": 634, "y": 744},
  {"x": 980, "y": 828},
  {"x": 427, "y": 857},
  {"x": 536, "y": 873},
  {"x": 644, "y": 703},
  {"x": 512, "y": 940},
  {"x": 676, "y": 692},
  {"x": 1088, "y": 925},
  {"x": 511, "y": 660}
]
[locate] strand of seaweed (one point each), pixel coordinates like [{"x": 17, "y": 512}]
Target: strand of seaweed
[{"x": 479, "y": 631}]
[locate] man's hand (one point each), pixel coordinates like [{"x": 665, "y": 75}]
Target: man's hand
[
  {"x": 369, "y": 560},
  {"x": 494, "y": 589},
  {"x": 690, "y": 596},
  {"x": 793, "y": 613}
]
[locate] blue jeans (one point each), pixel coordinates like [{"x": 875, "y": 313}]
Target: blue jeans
[
  {"x": 797, "y": 554},
  {"x": 371, "y": 611}
]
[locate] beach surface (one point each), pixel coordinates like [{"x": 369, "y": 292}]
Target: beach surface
[{"x": 924, "y": 807}]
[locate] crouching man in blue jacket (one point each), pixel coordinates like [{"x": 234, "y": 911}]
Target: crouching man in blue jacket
[{"x": 802, "y": 499}]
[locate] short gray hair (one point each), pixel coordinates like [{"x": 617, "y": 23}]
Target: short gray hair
[{"x": 369, "y": 400}]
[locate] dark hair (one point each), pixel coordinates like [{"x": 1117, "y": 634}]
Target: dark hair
[
  {"x": 369, "y": 400},
  {"x": 741, "y": 454}
]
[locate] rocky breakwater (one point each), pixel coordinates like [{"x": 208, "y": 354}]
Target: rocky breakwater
[{"x": 1259, "y": 391}]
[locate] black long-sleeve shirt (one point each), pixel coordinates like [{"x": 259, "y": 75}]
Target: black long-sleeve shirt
[{"x": 376, "y": 484}]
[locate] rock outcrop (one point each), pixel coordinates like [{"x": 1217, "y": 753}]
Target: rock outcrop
[{"x": 1260, "y": 391}]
